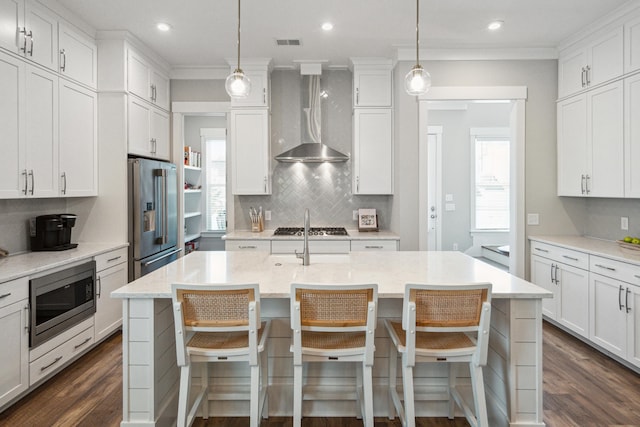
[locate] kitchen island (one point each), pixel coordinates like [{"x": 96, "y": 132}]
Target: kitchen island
[{"x": 150, "y": 376}]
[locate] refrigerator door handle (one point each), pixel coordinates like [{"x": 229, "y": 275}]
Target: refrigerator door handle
[
  {"x": 162, "y": 257},
  {"x": 162, "y": 174}
]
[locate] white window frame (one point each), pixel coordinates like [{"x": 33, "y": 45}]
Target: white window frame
[
  {"x": 485, "y": 133},
  {"x": 218, "y": 134}
]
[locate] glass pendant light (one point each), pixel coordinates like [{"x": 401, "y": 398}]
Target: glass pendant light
[
  {"x": 238, "y": 85},
  {"x": 418, "y": 80}
]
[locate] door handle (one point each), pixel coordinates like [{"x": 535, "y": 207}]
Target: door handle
[
  {"x": 33, "y": 181},
  {"x": 162, "y": 257},
  {"x": 582, "y": 183},
  {"x": 626, "y": 300},
  {"x": 26, "y": 185},
  {"x": 31, "y": 39},
  {"x": 63, "y": 56},
  {"x": 587, "y": 186},
  {"x": 553, "y": 280},
  {"x": 64, "y": 181},
  {"x": 557, "y": 268},
  {"x": 23, "y": 31},
  {"x": 620, "y": 306},
  {"x": 99, "y": 280}
]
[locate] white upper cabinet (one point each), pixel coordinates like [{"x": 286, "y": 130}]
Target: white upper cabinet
[
  {"x": 595, "y": 61},
  {"x": 12, "y": 18},
  {"x": 632, "y": 45},
  {"x": 147, "y": 81},
  {"x": 78, "y": 56},
  {"x": 251, "y": 154},
  {"x": 13, "y": 172},
  {"x": 632, "y": 136},
  {"x": 372, "y": 151},
  {"x": 148, "y": 130},
  {"x": 372, "y": 83},
  {"x": 259, "y": 96},
  {"x": 78, "y": 140},
  {"x": 590, "y": 143}
]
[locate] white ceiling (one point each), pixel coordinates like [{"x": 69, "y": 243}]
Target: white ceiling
[{"x": 204, "y": 31}]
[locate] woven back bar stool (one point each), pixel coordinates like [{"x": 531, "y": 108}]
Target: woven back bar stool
[
  {"x": 334, "y": 323},
  {"x": 447, "y": 323},
  {"x": 219, "y": 323}
]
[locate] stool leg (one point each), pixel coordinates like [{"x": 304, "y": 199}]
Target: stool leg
[
  {"x": 205, "y": 387},
  {"x": 393, "y": 379},
  {"x": 407, "y": 384},
  {"x": 368, "y": 394},
  {"x": 297, "y": 395},
  {"x": 264, "y": 372},
  {"x": 359, "y": 391},
  {"x": 255, "y": 396},
  {"x": 183, "y": 394},
  {"x": 451, "y": 372},
  {"x": 479, "y": 398}
]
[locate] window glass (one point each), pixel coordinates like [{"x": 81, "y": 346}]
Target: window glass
[
  {"x": 491, "y": 176},
  {"x": 216, "y": 184}
]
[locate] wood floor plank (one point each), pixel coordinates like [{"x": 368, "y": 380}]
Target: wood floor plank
[{"x": 582, "y": 388}]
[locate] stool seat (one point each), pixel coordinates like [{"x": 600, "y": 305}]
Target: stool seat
[
  {"x": 456, "y": 342},
  {"x": 223, "y": 340}
]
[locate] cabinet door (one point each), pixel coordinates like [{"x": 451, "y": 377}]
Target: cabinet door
[
  {"x": 372, "y": 151},
  {"x": 632, "y": 136},
  {"x": 78, "y": 56},
  {"x": 160, "y": 134},
  {"x": 109, "y": 310},
  {"x": 42, "y": 46},
  {"x": 573, "y": 312},
  {"x": 78, "y": 141},
  {"x": 572, "y": 146},
  {"x": 250, "y": 152},
  {"x": 138, "y": 77},
  {"x": 12, "y": 18},
  {"x": 372, "y": 88},
  {"x": 605, "y": 133},
  {"x": 606, "y": 57},
  {"x": 14, "y": 357},
  {"x": 543, "y": 274},
  {"x": 13, "y": 172},
  {"x": 632, "y": 45},
  {"x": 160, "y": 87},
  {"x": 632, "y": 303},
  {"x": 42, "y": 132},
  {"x": 608, "y": 316},
  {"x": 139, "y": 127},
  {"x": 259, "y": 95},
  {"x": 571, "y": 72}
]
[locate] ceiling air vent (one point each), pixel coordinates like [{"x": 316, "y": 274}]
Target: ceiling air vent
[{"x": 288, "y": 42}]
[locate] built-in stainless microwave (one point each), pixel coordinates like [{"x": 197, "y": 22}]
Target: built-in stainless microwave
[{"x": 60, "y": 300}]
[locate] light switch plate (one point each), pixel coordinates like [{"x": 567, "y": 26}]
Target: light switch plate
[
  {"x": 448, "y": 197},
  {"x": 624, "y": 223},
  {"x": 533, "y": 219},
  {"x": 267, "y": 215}
]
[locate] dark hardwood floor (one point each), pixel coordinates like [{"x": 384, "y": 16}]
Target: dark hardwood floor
[{"x": 582, "y": 388}]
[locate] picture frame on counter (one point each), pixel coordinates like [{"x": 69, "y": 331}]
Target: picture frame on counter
[{"x": 367, "y": 220}]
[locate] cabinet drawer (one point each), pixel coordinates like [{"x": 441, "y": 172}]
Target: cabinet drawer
[
  {"x": 618, "y": 270},
  {"x": 374, "y": 245},
  {"x": 315, "y": 246},
  {"x": 110, "y": 259},
  {"x": 59, "y": 356},
  {"x": 248, "y": 245},
  {"x": 14, "y": 291},
  {"x": 560, "y": 254}
]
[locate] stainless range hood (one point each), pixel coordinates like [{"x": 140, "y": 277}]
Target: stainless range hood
[{"x": 313, "y": 151}]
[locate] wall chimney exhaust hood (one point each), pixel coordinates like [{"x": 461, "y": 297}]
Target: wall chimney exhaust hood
[{"x": 313, "y": 151}]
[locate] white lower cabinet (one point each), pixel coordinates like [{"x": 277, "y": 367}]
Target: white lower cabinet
[
  {"x": 247, "y": 245},
  {"x": 608, "y": 314},
  {"x": 374, "y": 245},
  {"x": 14, "y": 336},
  {"x": 111, "y": 274},
  {"x": 285, "y": 247},
  {"x": 632, "y": 301}
]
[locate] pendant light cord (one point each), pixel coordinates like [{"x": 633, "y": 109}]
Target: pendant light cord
[
  {"x": 417, "y": 32},
  {"x": 238, "y": 34}
]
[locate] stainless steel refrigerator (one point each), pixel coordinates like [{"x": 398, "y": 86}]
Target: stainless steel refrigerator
[{"x": 153, "y": 216}]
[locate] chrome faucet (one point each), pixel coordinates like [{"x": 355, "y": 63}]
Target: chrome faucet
[{"x": 305, "y": 251}]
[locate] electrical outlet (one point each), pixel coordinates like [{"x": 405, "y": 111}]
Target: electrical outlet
[
  {"x": 533, "y": 219},
  {"x": 267, "y": 215},
  {"x": 355, "y": 215},
  {"x": 624, "y": 223}
]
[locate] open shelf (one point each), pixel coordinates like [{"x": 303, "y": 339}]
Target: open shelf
[
  {"x": 192, "y": 214},
  {"x": 190, "y": 237},
  {"x": 192, "y": 168}
]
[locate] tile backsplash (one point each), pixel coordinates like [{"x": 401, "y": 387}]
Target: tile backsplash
[
  {"x": 324, "y": 188},
  {"x": 603, "y": 218}
]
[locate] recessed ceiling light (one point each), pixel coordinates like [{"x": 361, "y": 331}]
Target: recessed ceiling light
[
  {"x": 163, "y": 26},
  {"x": 327, "y": 26},
  {"x": 495, "y": 25}
]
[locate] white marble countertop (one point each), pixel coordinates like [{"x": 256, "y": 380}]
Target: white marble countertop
[
  {"x": 30, "y": 263},
  {"x": 275, "y": 273},
  {"x": 353, "y": 235},
  {"x": 591, "y": 245}
]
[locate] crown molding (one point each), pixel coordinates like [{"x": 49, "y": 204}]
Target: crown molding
[{"x": 409, "y": 54}]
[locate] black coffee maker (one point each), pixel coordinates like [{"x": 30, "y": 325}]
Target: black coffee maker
[{"x": 52, "y": 232}]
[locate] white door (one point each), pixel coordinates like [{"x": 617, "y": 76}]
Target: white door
[
  {"x": 434, "y": 188},
  {"x": 139, "y": 127},
  {"x": 373, "y": 151},
  {"x": 109, "y": 310},
  {"x": 78, "y": 140},
  {"x": 42, "y": 46},
  {"x": 12, "y": 18},
  {"x": 571, "y": 72},
  {"x": 14, "y": 366},
  {"x": 543, "y": 274},
  {"x": 160, "y": 134},
  {"x": 572, "y": 146},
  {"x": 632, "y": 134},
  {"x": 574, "y": 298},
  {"x": 632, "y": 304},
  {"x": 78, "y": 56},
  {"x": 608, "y": 314},
  {"x": 250, "y": 151}
]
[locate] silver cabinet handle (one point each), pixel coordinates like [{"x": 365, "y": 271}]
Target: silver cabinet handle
[
  {"x": 373, "y": 247},
  {"x": 31, "y": 39},
  {"x": 556, "y": 275},
  {"x": 357, "y": 96},
  {"x": 26, "y": 318},
  {"x": 582, "y": 183},
  {"x": 99, "y": 291},
  {"x": 582, "y": 77},
  {"x": 24, "y": 173},
  {"x": 553, "y": 280},
  {"x": 357, "y": 184},
  {"x": 541, "y": 250},
  {"x": 64, "y": 181},
  {"x": 23, "y": 31},
  {"x": 33, "y": 181},
  {"x": 588, "y": 186},
  {"x": 571, "y": 258},
  {"x": 44, "y": 368},
  {"x": 114, "y": 258},
  {"x": 264, "y": 95},
  {"x": 265, "y": 185},
  {"x": 588, "y": 74},
  {"x": 5, "y": 295},
  {"x": 63, "y": 56},
  {"x": 626, "y": 300},
  {"x": 81, "y": 344},
  {"x": 620, "y": 306},
  {"x": 247, "y": 247},
  {"x": 605, "y": 267}
]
